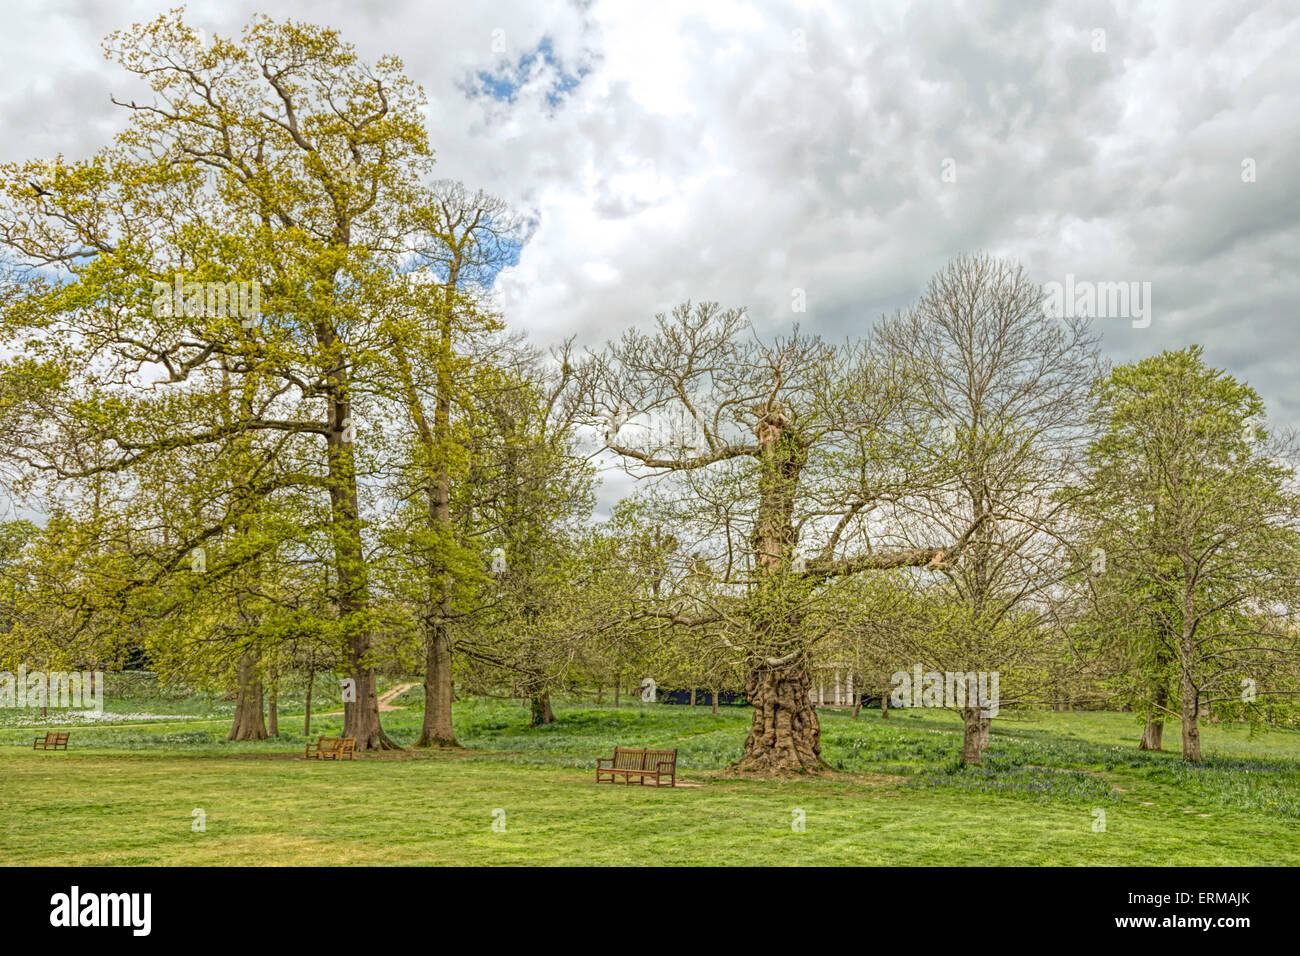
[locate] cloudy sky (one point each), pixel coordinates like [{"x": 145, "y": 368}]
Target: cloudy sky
[{"x": 741, "y": 151}]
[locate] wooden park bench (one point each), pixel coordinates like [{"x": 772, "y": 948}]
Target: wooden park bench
[
  {"x": 639, "y": 763},
  {"x": 52, "y": 741},
  {"x": 332, "y": 748}
]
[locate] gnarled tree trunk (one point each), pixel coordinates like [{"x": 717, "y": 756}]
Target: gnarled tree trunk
[{"x": 784, "y": 736}]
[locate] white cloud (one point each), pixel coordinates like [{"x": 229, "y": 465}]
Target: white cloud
[{"x": 710, "y": 151}]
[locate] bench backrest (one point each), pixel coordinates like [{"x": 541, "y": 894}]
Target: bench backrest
[
  {"x": 653, "y": 758},
  {"x": 52, "y": 738},
  {"x": 347, "y": 744},
  {"x": 328, "y": 743},
  {"x": 626, "y": 758}
]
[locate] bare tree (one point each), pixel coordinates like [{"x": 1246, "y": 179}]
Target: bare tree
[
  {"x": 780, "y": 440},
  {"x": 1001, "y": 393}
]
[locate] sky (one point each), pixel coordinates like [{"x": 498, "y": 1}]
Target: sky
[{"x": 838, "y": 154}]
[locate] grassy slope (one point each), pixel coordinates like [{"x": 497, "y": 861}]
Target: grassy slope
[{"x": 124, "y": 795}]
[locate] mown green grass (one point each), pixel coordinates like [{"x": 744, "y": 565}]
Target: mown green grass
[{"x": 125, "y": 795}]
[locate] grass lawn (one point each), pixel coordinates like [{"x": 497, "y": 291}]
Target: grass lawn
[{"x": 124, "y": 794}]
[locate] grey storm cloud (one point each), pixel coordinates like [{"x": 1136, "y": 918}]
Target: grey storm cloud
[{"x": 738, "y": 151}]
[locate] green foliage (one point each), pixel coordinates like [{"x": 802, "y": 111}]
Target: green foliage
[{"x": 1194, "y": 515}]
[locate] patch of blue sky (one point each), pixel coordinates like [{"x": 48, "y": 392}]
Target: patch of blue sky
[
  {"x": 496, "y": 252},
  {"x": 54, "y": 273},
  {"x": 504, "y": 82}
]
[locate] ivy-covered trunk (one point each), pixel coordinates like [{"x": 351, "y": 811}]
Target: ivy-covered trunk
[
  {"x": 541, "y": 712},
  {"x": 784, "y": 735}
]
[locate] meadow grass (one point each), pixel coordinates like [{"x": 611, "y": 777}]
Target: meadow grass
[{"x": 125, "y": 794}]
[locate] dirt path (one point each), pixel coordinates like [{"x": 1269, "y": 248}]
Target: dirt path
[{"x": 385, "y": 700}]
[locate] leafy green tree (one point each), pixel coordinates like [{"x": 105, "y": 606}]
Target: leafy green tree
[
  {"x": 1196, "y": 524},
  {"x": 465, "y": 240},
  {"x": 276, "y": 169}
]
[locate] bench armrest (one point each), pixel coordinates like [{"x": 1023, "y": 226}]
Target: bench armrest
[{"x": 601, "y": 760}]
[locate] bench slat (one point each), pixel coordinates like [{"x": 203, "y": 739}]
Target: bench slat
[{"x": 639, "y": 762}]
